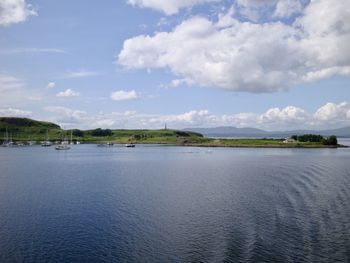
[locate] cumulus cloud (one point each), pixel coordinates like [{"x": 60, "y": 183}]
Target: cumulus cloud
[
  {"x": 246, "y": 56},
  {"x": 14, "y": 11},
  {"x": 289, "y": 114},
  {"x": 333, "y": 111},
  {"x": 121, "y": 95},
  {"x": 68, "y": 93},
  {"x": 11, "y": 112},
  {"x": 51, "y": 85},
  {"x": 169, "y": 7}
]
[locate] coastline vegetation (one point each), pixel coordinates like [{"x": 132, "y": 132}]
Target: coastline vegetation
[{"x": 23, "y": 129}]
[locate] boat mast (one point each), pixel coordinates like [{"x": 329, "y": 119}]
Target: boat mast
[{"x": 6, "y": 136}]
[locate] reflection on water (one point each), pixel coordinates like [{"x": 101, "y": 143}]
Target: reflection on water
[{"x": 174, "y": 204}]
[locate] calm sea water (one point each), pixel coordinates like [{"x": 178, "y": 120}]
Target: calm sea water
[{"x": 174, "y": 204}]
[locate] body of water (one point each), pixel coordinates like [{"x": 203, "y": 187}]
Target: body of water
[{"x": 174, "y": 204}]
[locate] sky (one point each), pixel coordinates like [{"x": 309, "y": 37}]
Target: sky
[{"x": 269, "y": 64}]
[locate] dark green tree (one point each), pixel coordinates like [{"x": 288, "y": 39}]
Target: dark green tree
[
  {"x": 332, "y": 140},
  {"x": 101, "y": 132},
  {"x": 78, "y": 133}
]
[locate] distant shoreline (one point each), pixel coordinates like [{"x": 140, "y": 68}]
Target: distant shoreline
[
  {"x": 209, "y": 145},
  {"x": 23, "y": 130}
]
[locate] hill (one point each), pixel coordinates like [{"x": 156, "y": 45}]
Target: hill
[
  {"x": 23, "y": 129},
  {"x": 28, "y": 129},
  {"x": 17, "y": 123}
]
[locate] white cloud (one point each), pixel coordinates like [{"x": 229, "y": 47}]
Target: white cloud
[
  {"x": 121, "y": 95},
  {"x": 14, "y": 11},
  {"x": 51, "y": 85},
  {"x": 11, "y": 112},
  {"x": 169, "y": 7},
  {"x": 68, "y": 93},
  {"x": 288, "y": 114},
  {"x": 245, "y": 56},
  {"x": 81, "y": 74},
  {"x": 333, "y": 111},
  {"x": 326, "y": 73}
]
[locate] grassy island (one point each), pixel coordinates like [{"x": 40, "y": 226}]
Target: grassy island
[{"x": 23, "y": 129}]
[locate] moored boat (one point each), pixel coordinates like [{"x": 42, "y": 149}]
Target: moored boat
[
  {"x": 62, "y": 147},
  {"x": 47, "y": 142}
]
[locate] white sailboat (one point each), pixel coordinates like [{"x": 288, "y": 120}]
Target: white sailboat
[
  {"x": 71, "y": 138},
  {"x": 46, "y": 143},
  {"x": 6, "y": 142},
  {"x": 63, "y": 146}
]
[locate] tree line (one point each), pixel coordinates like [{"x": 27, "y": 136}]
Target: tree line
[{"x": 331, "y": 140}]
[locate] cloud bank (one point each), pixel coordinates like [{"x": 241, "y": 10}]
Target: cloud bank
[{"x": 331, "y": 115}]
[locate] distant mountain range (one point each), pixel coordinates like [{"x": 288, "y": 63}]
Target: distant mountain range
[{"x": 258, "y": 133}]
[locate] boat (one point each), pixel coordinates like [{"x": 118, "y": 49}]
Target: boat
[
  {"x": 129, "y": 145},
  {"x": 46, "y": 143},
  {"x": 62, "y": 147},
  {"x": 31, "y": 143},
  {"x": 6, "y": 142},
  {"x": 71, "y": 138},
  {"x": 108, "y": 144}
]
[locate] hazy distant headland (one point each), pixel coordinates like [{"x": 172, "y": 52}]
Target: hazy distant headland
[
  {"x": 24, "y": 129},
  {"x": 226, "y": 132}
]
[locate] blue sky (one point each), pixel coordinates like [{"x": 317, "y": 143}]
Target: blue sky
[{"x": 268, "y": 64}]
